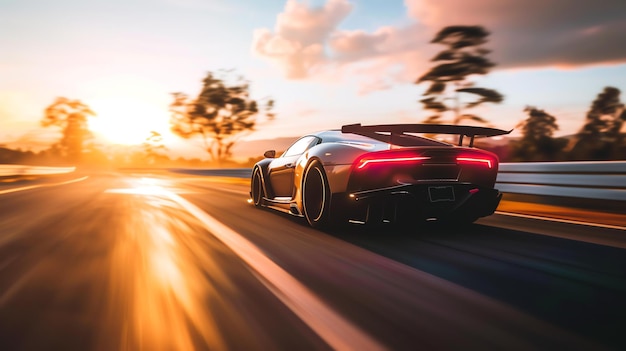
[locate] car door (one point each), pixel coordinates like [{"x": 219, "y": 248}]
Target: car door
[{"x": 281, "y": 170}]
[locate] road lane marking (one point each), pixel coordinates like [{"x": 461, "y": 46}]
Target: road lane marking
[
  {"x": 336, "y": 331},
  {"x": 7, "y": 191},
  {"x": 568, "y": 221}
]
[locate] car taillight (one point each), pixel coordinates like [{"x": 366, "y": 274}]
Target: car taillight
[
  {"x": 484, "y": 161},
  {"x": 380, "y": 159}
]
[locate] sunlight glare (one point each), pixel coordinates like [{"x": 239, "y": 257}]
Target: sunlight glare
[{"x": 126, "y": 121}]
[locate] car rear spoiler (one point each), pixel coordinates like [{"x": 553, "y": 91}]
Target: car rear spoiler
[{"x": 381, "y": 130}]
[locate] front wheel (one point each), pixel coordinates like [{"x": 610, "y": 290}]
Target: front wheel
[{"x": 316, "y": 196}]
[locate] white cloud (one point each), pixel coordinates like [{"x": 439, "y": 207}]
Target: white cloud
[
  {"x": 355, "y": 45},
  {"x": 308, "y": 43},
  {"x": 298, "y": 41},
  {"x": 296, "y": 59},
  {"x": 308, "y": 25}
]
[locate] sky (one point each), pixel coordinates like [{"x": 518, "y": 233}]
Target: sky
[{"x": 325, "y": 62}]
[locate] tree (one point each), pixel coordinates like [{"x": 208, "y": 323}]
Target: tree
[
  {"x": 537, "y": 143},
  {"x": 220, "y": 115},
  {"x": 71, "y": 117},
  {"x": 463, "y": 58},
  {"x": 601, "y": 137}
]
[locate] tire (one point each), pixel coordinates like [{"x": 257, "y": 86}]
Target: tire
[
  {"x": 256, "y": 188},
  {"x": 316, "y": 196}
]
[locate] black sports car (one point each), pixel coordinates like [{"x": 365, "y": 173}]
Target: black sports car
[{"x": 380, "y": 174}]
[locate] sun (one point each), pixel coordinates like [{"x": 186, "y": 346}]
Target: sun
[{"x": 127, "y": 121}]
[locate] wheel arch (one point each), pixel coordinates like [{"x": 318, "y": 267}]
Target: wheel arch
[
  {"x": 299, "y": 179},
  {"x": 263, "y": 167},
  {"x": 324, "y": 215},
  {"x": 337, "y": 159}
]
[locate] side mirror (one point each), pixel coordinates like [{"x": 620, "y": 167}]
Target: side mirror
[{"x": 270, "y": 154}]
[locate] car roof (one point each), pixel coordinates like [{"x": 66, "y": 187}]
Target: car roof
[
  {"x": 405, "y": 140},
  {"x": 335, "y": 135}
]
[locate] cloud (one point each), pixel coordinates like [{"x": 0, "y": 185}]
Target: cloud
[
  {"x": 308, "y": 42},
  {"x": 300, "y": 35},
  {"x": 356, "y": 45},
  {"x": 296, "y": 59},
  {"x": 311, "y": 25}
]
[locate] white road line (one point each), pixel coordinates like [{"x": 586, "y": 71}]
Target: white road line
[
  {"x": 339, "y": 333},
  {"x": 589, "y": 224},
  {"x": 41, "y": 185}
]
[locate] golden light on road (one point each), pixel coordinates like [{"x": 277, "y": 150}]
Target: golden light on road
[
  {"x": 122, "y": 120},
  {"x": 162, "y": 274},
  {"x": 158, "y": 273}
]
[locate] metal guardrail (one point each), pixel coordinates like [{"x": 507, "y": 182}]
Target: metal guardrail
[
  {"x": 22, "y": 170},
  {"x": 582, "y": 180},
  {"x": 604, "y": 180}
]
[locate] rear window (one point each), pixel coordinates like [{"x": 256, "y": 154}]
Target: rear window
[{"x": 402, "y": 140}]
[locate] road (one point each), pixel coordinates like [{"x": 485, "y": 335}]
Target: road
[{"x": 123, "y": 261}]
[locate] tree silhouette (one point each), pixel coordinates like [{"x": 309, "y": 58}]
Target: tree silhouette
[
  {"x": 601, "y": 138},
  {"x": 71, "y": 117},
  {"x": 537, "y": 143},
  {"x": 220, "y": 115},
  {"x": 463, "y": 57}
]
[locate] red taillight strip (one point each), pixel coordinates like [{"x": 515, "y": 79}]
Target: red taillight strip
[
  {"x": 475, "y": 160},
  {"x": 364, "y": 162}
]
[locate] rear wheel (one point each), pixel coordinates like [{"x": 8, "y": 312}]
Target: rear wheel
[
  {"x": 316, "y": 196},
  {"x": 256, "y": 185}
]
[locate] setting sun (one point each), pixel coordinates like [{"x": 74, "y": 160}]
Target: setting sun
[{"x": 127, "y": 121}]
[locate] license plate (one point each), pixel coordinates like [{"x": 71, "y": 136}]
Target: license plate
[{"x": 441, "y": 193}]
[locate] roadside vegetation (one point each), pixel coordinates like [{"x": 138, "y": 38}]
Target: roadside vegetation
[
  {"x": 601, "y": 138},
  {"x": 450, "y": 79},
  {"x": 220, "y": 115}
]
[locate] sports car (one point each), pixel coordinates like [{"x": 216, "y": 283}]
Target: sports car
[{"x": 374, "y": 174}]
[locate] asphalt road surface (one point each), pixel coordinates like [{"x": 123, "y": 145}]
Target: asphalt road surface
[{"x": 124, "y": 261}]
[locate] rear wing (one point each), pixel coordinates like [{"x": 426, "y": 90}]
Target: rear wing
[{"x": 381, "y": 131}]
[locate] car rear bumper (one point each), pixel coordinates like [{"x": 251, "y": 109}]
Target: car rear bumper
[{"x": 444, "y": 202}]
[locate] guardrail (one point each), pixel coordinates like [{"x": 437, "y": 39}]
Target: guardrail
[
  {"x": 22, "y": 170},
  {"x": 580, "y": 180},
  {"x": 604, "y": 180}
]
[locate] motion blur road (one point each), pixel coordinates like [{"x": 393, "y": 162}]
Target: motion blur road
[{"x": 123, "y": 261}]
